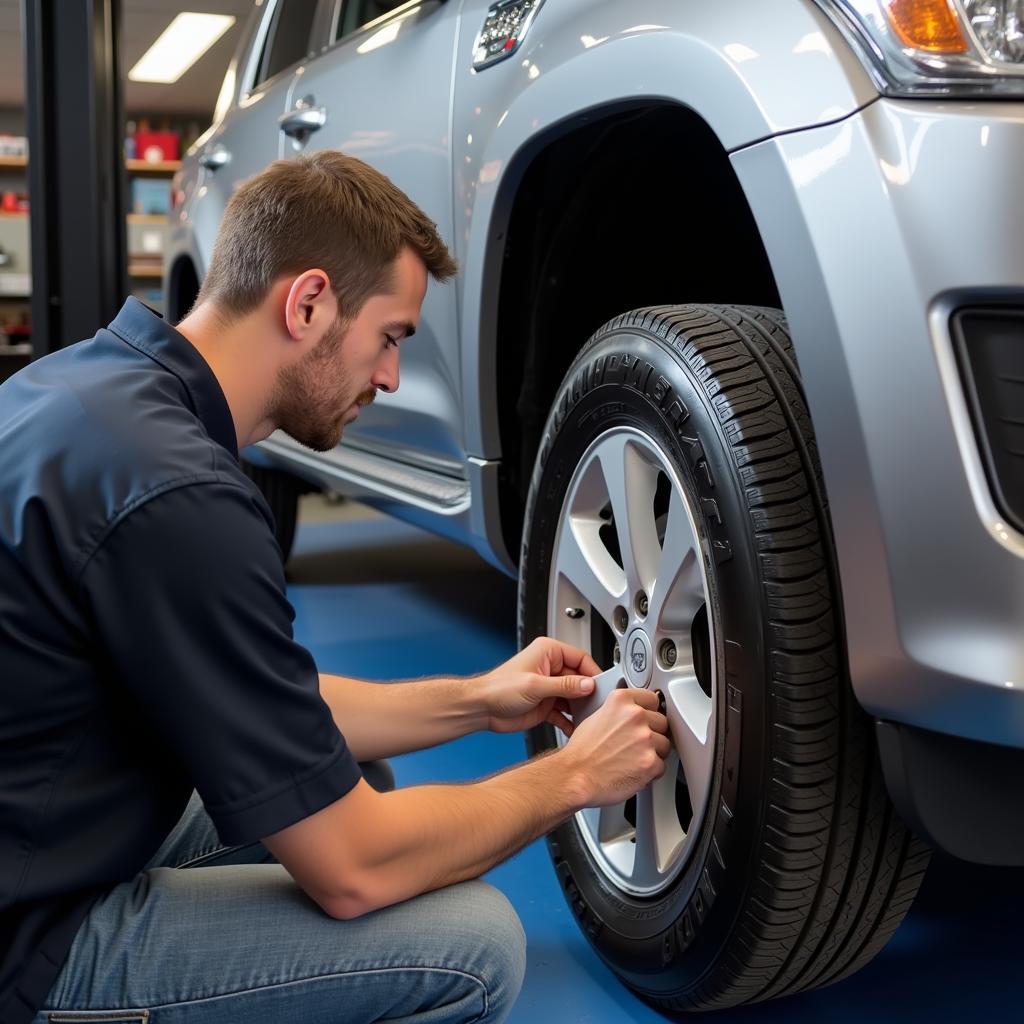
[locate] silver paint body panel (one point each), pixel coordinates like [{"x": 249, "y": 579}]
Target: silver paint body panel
[
  {"x": 875, "y": 226},
  {"x": 876, "y": 215}
]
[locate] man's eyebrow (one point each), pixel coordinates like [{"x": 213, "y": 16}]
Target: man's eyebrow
[{"x": 405, "y": 326}]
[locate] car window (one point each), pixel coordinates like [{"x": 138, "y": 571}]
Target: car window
[
  {"x": 288, "y": 39},
  {"x": 356, "y": 13}
]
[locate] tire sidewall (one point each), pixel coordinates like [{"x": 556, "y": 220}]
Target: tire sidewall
[{"x": 630, "y": 377}]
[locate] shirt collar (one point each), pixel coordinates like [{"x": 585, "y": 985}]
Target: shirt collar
[{"x": 148, "y": 332}]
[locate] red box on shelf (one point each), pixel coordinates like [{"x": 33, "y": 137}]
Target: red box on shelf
[{"x": 156, "y": 146}]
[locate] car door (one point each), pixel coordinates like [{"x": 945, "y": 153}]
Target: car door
[
  {"x": 381, "y": 91},
  {"x": 249, "y": 136}
]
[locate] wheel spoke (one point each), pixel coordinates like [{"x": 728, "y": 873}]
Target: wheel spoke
[
  {"x": 632, "y": 481},
  {"x": 678, "y": 590},
  {"x": 585, "y": 563},
  {"x": 658, "y": 834},
  {"x": 670, "y": 830},
  {"x": 689, "y": 715},
  {"x": 645, "y": 857},
  {"x": 607, "y": 824}
]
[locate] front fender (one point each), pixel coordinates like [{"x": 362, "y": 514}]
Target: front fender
[{"x": 751, "y": 70}]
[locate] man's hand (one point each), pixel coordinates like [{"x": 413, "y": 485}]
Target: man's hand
[
  {"x": 368, "y": 850},
  {"x": 536, "y": 685},
  {"x": 620, "y": 748}
]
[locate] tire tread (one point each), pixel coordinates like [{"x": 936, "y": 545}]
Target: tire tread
[{"x": 837, "y": 870}]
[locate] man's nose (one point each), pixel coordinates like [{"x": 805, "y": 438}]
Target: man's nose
[{"x": 386, "y": 376}]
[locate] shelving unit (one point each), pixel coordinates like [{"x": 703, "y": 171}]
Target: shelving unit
[
  {"x": 152, "y": 166},
  {"x": 146, "y": 233},
  {"x": 15, "y": 273},
  {"x": 132, "y": 166},
  {"x": 145, "y": 245}
]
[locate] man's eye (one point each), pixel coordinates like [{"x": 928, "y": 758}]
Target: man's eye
[{"x": 390, "y": 342}]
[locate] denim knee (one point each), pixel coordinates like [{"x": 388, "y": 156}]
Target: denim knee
[{"x": 501, "y": 950}]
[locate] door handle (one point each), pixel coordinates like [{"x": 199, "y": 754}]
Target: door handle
[
  {"x": 215, "y": 158},
  {"x": 302, "y": 120}
]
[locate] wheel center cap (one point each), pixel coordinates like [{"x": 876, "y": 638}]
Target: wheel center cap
[{"x": 638, "y": 658}]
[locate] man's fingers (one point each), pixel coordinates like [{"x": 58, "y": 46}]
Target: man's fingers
[
  {"x": 585, "y": 664},
  {"x": 565, "y": 656},
  {"x": 658, "y": 722},
  {"x": 559, "y": 721},
  {"x": 662, "y": 746},
  {"x": 566, "y": 687},
  {"x": 647, "y": 699}
]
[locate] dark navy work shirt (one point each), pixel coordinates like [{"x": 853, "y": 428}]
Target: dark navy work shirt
[{"x": 146, "y": 642}]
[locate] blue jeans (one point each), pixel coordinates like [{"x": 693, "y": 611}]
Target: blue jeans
[{"x": 233, "y": 939}]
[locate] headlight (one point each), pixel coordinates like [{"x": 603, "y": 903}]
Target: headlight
[
  {"x": 937, "y": 47},
  {"x": 998, "y": 25}
]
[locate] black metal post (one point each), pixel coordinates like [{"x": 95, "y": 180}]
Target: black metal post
[{"x": 76, "y": 167}]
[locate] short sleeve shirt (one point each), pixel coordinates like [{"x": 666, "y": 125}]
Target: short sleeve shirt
[{"x": 146, "y": 643}]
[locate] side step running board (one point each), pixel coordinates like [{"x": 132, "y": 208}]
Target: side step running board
[{"x": 361, "y": 474}]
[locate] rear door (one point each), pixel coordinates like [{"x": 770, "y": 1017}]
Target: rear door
[
  {"x": 249, "y": 137},
  {"x": 382, "y": 89}
]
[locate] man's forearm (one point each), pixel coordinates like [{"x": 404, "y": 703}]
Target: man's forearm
[
  {"x": 386, "y": 719},
  {"x": 427, "y": 837},
  {"x": 368, "y": 850}
]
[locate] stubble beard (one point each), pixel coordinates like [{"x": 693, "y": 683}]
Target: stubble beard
[{"x": 303, "y": 408}]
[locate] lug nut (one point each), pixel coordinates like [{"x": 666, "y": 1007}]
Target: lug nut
[
  {"x": 621, "y": 617},
  {"x": 641, "y": 604},
  {"x": 574, "y": 613},
  {"x": 667, "y": 653},
  {"x": 617, "y": 654}
]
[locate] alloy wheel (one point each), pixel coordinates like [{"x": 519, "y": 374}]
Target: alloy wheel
[{"x": 628, "y": 585}]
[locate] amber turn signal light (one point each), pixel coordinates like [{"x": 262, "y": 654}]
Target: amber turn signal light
[{"x": 929, "y": 25}]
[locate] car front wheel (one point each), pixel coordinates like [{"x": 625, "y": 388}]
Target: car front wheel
[{"x": 677, "y": 529}]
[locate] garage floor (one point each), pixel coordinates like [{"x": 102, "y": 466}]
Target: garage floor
[{"x": 381, "y": 600}]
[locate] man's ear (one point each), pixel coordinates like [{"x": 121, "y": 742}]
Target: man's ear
[{"x": 310, "y": 306}]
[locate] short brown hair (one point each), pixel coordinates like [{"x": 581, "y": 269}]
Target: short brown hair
[{"x": 326, "y": 210}]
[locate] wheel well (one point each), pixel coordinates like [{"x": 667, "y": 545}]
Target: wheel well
[
  {"x": 635, "y": 207},
  {"x": 183, "y": 287}
]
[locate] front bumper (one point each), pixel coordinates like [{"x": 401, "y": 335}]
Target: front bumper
[
  {"x": 880, "y": 228},
  {"x": 962, "y": 796}
]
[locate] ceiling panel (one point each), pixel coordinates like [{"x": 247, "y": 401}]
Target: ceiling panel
[{"x": 142, "y": 21}]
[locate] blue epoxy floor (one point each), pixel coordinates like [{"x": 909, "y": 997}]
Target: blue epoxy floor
[{"x": 381, "y": 600}]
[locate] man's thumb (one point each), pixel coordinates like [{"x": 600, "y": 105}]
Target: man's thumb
[{"x": 578, "y": 686}]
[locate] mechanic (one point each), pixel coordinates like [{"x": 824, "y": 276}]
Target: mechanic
[{"x": 147, "y": 651}]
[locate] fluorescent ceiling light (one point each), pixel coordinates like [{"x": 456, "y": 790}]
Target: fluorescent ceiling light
[{"x": 180, "y": 45}]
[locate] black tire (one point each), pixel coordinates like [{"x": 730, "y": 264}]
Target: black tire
[
  {"x": 282, "y": 492},
  {"x": 801, "y": 870}
]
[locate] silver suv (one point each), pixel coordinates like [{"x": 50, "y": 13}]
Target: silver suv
[{"x": 733, "y": 379}]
